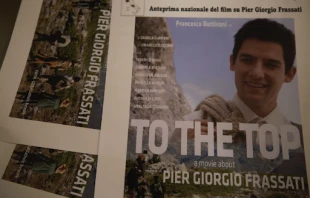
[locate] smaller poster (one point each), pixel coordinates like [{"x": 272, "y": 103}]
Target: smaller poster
[
  {"x": 60, "y": 172},
  {"x": 64, "y": 77}
]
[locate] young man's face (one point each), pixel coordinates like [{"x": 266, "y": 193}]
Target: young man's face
[{"x": 260, "y": 72}]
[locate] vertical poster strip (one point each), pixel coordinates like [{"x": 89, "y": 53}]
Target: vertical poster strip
[
  {"x": 64, "y": 77},
  {"x": 60, "y": 172}
]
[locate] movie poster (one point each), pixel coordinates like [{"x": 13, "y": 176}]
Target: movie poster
[
  {"x": 214, "y": 109},
  {"x": 64, "y": 77},
  {"x": 60, "y": 172}
]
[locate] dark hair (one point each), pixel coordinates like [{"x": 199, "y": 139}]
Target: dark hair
[
  {"x": 267, "y": 30},
  {"x": 144, "y": 151},
  {"x": 140, "y": 174},
  {"x": 76, "y": 79}
]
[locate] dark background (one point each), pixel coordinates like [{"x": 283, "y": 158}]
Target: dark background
[{"x": 8, "y": 14}]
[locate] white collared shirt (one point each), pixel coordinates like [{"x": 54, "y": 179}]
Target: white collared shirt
[{"x": 275, "y": 117}]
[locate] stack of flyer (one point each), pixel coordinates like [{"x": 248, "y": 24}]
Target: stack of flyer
[{"x": 142, "y": 98}]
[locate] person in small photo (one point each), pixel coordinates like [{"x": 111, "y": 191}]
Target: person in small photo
[
  {"x": 132, "y": 179},
  {"x": 58, "y": 82},
  {"x": 142, "y": 159},
  {"x": 39, "y": 163},
  {"x": 142, "y": 187},
  {"x": 57, "y": 39},
  {"x": 157, "y": 188},
  {"x": 43, "y": 100},
  {"x": 61, "y": 64}
]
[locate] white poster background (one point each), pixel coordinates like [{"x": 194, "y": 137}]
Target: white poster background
[{"x": 113, "y": 139}]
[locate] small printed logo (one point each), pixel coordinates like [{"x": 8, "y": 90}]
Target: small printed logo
[{"x": 132, "y": 7}]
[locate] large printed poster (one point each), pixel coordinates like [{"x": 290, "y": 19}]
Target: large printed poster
[
  {"x": 64, "y": 77},
  {"x": 214, "y": 109},
  {"x": 60, "y": 172}
]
